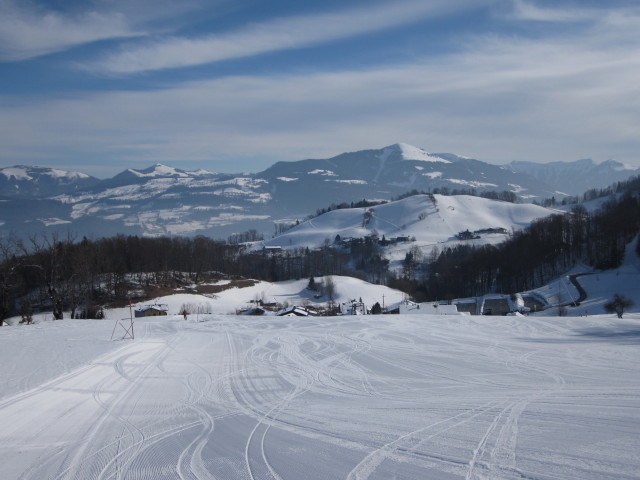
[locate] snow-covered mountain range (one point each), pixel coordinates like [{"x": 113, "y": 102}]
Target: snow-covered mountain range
[
  {"x": 575, "y": 178},
  {"x": 27, "y": 181},
  {"x": 162, "y": 200}
]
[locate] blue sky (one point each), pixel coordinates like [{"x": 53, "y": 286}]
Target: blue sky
[{"x": 230, "y": 86}]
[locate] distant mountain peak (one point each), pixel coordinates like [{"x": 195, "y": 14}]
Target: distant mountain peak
[
  {"x": 25, "y": 172},
  {"x": 410, "y": 152},
  {"x": 33, "y": 181},
  {"x": 201, "y": 172},
  {"x": 617, "y": 165},
  {"x": 160, "y": 170}
]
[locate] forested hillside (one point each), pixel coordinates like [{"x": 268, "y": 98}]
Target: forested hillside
[
  {"x": 531, "y": 257},
  {"x": 63, "y": 275}
]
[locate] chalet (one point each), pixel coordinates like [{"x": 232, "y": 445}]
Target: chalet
[
  {"x": 151, "y": 311},
  {"x": 467, "y": 235},
  {"x": 296, "y": 312},
  {"x": 428, "y": 308},
  {"x": 353, "y": 308},
  {"x": 400, "y": 239}
]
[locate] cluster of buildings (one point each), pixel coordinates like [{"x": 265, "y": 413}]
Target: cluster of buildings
[{"x": 495, "y": 304}]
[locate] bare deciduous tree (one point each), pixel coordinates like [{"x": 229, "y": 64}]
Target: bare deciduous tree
[
  {"x": 618, "y": 305},
  {"x": 9, "y": 264}
]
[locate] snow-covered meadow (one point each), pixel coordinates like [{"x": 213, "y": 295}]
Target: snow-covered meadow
[{"x": 399, "y": 396}]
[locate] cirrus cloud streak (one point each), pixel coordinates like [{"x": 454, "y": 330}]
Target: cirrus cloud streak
[{"x": 269, "y": 36}]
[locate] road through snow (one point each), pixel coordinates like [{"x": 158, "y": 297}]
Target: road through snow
[{"x": 378, "y": 397}]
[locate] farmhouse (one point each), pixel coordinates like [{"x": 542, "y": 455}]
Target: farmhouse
[
  {"x": 353, "y": 308},
  {"x": 151, "y": 311},
  {"x": 252, "y": 311},
  {"x": 296, "y": 312},
  {"x": 428, "y": 308}
]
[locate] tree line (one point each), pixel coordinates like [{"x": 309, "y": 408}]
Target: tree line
[{"x": 60, "y": 274}]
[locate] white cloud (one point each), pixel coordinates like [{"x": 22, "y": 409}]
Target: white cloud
[
  {"x": 278, "y": 34},
  {"x": 31, "y": 32},
  {"x": 525, "y": 10}
]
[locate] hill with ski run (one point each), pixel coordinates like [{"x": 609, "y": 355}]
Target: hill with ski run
[{"x": 423, "y": 221}]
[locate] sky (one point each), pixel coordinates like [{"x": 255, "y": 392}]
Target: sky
[{"x": 98, "y": 86}]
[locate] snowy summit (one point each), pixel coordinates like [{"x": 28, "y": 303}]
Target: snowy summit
[{"x": 409, "y": 152}]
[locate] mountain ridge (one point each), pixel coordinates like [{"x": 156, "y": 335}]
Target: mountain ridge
[
  {"x": 24, "y": 181},
  {"x": 164, "y": 200},
  {"x": 575, "y": 178}
]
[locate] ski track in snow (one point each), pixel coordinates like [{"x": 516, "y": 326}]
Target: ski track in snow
[{"x": 412, "y": 397}]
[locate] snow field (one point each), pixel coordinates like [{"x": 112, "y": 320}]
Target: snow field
[{"x": 403, "y": 396}]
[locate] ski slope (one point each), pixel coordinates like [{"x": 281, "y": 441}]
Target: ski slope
[{"x": 363, "y": 397}]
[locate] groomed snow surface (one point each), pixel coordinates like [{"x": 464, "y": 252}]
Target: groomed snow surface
[{"x": 377, "y": 397}]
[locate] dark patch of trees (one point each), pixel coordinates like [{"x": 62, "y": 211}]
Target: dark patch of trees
[
  {"x": 60, "y": 274},
  {"x": 364, "y": 203},
  {"x": 505, "y": 196},
  {"x": 243, "y": 237},
  {"x": 282, "y": 227},
  {"x": 366, "y": 256},
  {"x": 290, "y": 264}
]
